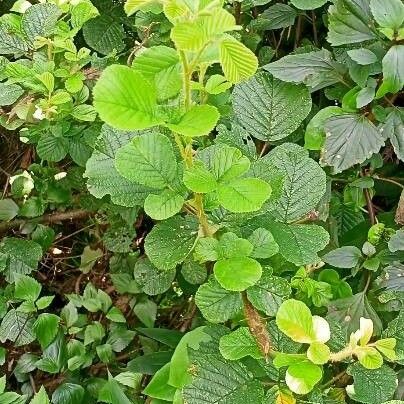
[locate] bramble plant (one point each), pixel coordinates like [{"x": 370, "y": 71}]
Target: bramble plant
[{"x": 243, "y": 241}]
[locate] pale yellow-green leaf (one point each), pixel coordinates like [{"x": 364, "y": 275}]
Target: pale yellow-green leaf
[
  {"x": 238, "y": 62},
  {"x": 131, "y": 6},
  {"x": 369, "y": 357},
  {"x": 318, "y": 353}
]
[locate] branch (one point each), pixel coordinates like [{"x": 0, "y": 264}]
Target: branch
[{"x": 49, "y": 218}]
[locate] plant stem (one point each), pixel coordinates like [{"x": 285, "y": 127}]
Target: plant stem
[{"x": 186, "y": 80}]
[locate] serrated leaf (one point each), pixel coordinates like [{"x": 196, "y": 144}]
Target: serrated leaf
[
  {"x": 200, "y": 120},
  {"x": 51, "y": 147},
  {"x": 161, "y": 65},
  {"x": 11, "y": 43},
  {"x": 343, "y": 257},
  {"x": 388, "y": 13},
  {"x": 238, "y": 344},
  {"x": 17, "y": 327},
  {"x": 264, "y": 243},
  {"x": 302, "y": 377},
  {"x": 238, "y": 273},
  {"x": 41, "y": 397},
  {"x": 152, "y": 280},
  {"x": 81, "y": 13},
  {"x": 268, "y": 293},
  {"x": 164, "y": 205},
  {"x": 349, "y": 22},
  {"x": 316, "y": 69},
  {"x": 9, "y": 93},
  {"x": 269, "y": 108},
  {"x": 308, "y": 4},
  {"x": 8, "y": 209},
  {"x": 362, "y": 56},
  {"x": 125, "y": 100},
  {"x": 68, "y": 393},
  {"x": 393, "y": 76},
  {"x": 350, "y": 139},
  {"x": 393, "y": 128},
  {"x": 348, "y": 311},
  {"x": 170, "y": 242},
  {"x": 318, "y": 353},
  {"x": 277, "y": 16},
  {"x": 300, "y": 243},
  {"x": 131, "y": 6},
  {"x": 102, "y": 176},
  {"x": 104, "y": 34},
  {"x": 46, "y": 327},
  {"x": 40, "y": 20},
  {"x": 22, "y": 257},
  {"x": 237, "y": 61},
  {"x": 372, "y": 386},
  {"x": 304, "y": 181},
  {"x": 149, "y": 160},
  {"x": 243, "y": 194},
  {"x": 199, "y": 179},
  {"x": 27, "y": 288},
  {"x": 216, "y": 304}
]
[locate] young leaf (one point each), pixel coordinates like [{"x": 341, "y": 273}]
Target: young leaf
[
  {"x": 41, "y": 397},
  {"x": 200, "y": 120},
  {"x": 199, "y": 179},
  {"x": 27, "y": 288},
  {"x": 46, "y": 327},
  {"x": 264, "y": 243},
  {"x": 125, "y": 100},
  {"x": 164, "y": 205},
  {"x": 393, "y": 76},
  {"x": 237, "y": 61},
  {"x": 302, "y": 377}
]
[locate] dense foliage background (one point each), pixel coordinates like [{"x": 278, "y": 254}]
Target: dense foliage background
[{"x": 201, "y": 201}]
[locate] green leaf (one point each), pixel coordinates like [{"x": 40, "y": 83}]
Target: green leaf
[
  {"x": 41, "y": 397},
  {"x": 316, "y": 69},
  {"x": 159, "y": 386},
  {"x": 232, "y": 382},
  {"x": 348, "y": 311},
  {"x": 388, "y": 13},
  {"x": 113, "y": 392},
  {"x": 10, "y": 93},
  {"x": 146, "y": 311},
  {"x": 198, "y": 178},
  {"x": 372, "y": 386},
  {"x": 237, "y": 61},
  {"x": 362, "y": 56},
  {"x": 269, "y": 108},
  {"x": 22, "y": 257},
  {"x": 68, "y": 393},
  {"x": 194, "y": 273},
  {"x": 46, "y": 327},
  {"x": 104, "y": 34},
  {"x": 393, "y": 76},
  {"x": 8, "y": 209},
  {"x": 294, "y": 319},
  {"x": 11, "y": 43},
  {"x": 17, "y": 327},
  {"x": 81, "y": 13},
  {"x": 102, "y": 176},
  {"x": 131, "y": 6},
  {"x": 302, "y": 377},
  {"x": 51, "y": 147},
  {"x": 243, "y": 194},
  {"x": 125, "y": 100},
  {"x": 27, "y": 288},
  {"x": 40, "y": 20},
  {"x": 277, "y": 16},
  {"x": 349, "y": 22},
  {"x": 304, "y": 181},
  {"x": 238, "y": 344},
  {"x": 164, "y": 205},
  {"x": 84, "y": 112},
  {"x": 216, "y": 304},
  {"x": 217, "y": 84},
  {"x": 308, "y": 4},
  {"x": 225, "y": 162},
  {"x": 393, "y": 128},
  {"x": 161, "y": 65},
  {"x": 237, "y": 274},
  {"x": 149, "y": 160},
  {"x": 300, "y": 243},
  {"x": 170, "y": 242},
  {"x": 200, "y": 120},
  {"x": 369, "y": 357},
  {"x": 318, "y": 353},
  {"x": 350, "y": 140},
  {"x": 396, "y": 242},
  {"x": 268, "y": 293},
  {"x": 152, "y": 280},
  {"x": 343, "y": 257},
  {"x": 264, "y": 243},
  {"x": 315, "y": 132},
  {"x": 232, "y": 246}
]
